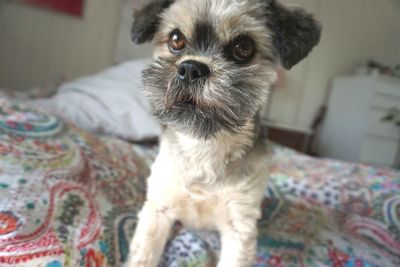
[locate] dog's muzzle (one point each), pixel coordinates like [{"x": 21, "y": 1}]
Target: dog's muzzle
[{"x": 191, "y": 71}]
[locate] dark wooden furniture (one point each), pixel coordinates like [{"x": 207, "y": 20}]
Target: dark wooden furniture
[{"x": 294, "y": 138}]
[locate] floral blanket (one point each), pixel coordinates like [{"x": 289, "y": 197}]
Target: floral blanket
[{"x": 69, "y": 198}]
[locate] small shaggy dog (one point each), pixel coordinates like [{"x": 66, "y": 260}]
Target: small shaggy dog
[{"x": 213, "y": 65}]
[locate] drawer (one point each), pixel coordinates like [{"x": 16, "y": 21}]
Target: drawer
[
  {"x": 388, "y": 86},
  {"x": 385, "y": 100},
  {"x": 376, "y": 126},
  {"x": 378, "y": 151}
]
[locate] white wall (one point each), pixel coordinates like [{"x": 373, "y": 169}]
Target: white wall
[
  {"x": 353, "y": 31},
  {"x": 125, "y": 49},
  {"x": 37, "y": 45}
]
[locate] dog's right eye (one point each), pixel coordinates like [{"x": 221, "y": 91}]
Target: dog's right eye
[{"x": 177, "y": 41}]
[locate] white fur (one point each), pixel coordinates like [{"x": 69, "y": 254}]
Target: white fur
[{"x": 198, "y": 183}]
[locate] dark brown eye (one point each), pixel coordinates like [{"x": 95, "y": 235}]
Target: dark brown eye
[
  {"x": 176, "y": 41},
  {"x": 243, "y": 49}
]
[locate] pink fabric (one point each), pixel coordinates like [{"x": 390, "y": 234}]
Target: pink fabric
[{"x": 73, "y": 7}]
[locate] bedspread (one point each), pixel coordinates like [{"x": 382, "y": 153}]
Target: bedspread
[{"x": 69, "y": 198}]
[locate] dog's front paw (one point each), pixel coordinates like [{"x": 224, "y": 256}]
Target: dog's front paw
[
  {"x": 139, "y": 257},
  {"x": 137, "y": 263}
]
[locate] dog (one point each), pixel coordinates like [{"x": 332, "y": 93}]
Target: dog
[{"x": 214, "y": 62}]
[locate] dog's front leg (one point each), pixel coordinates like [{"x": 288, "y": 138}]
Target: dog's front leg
[
  {"x": 151, "y": 234},
  {"x": 239, "y": 243}
]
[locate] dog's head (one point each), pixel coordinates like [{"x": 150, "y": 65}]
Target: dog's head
[{"x": 215, "y": 59}]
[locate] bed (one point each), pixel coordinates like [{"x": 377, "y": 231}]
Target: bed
[{"x": 69, "y": 197}]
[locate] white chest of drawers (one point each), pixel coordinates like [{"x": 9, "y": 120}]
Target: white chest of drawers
[{"x": 353, "y": 129}]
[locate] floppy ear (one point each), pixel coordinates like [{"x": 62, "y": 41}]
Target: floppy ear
[
  {"x": 147, "y": 19},
  {"x": 295, "y": 32}
]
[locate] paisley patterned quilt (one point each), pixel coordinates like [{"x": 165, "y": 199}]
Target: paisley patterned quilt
[{"x": 69, "y": 198}]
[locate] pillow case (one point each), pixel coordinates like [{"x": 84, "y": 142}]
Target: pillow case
[{"x": 110, "y": 102}]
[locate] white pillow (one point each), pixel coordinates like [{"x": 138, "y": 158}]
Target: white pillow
[{"x": 109, "y": 102}]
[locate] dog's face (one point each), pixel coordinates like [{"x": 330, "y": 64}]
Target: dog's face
[{"x": 215, "y": 59}]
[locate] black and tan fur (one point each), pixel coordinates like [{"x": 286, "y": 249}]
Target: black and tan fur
[{"x": 211, "y": 170}]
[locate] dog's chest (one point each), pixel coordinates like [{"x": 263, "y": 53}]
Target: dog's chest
[
  {"x": 200, "y": 213},
  {"x": 195, "y": 181}
]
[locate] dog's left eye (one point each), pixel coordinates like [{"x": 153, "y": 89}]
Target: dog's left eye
[
  {"x": 243, "y": 49},
  {"x": 177, "y": 41}
]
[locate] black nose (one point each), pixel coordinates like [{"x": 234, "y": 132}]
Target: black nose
[{"x": 191, "y": 71}]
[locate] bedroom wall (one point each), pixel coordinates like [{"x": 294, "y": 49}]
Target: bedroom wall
[
  {"x": 124, "y": 48},
  {"x": 353, "y": 31},
  {"x": 37, "y": 45}
]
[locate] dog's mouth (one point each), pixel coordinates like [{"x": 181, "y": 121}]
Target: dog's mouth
[
  {"x": 182, "y": 95},
  {"x": 186, "y": 101}
]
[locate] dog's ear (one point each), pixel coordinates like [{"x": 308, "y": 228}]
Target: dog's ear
[
  {"x": 295, "y": 32},
  {"x": 147, "y": 19}
]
